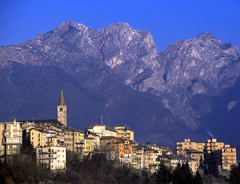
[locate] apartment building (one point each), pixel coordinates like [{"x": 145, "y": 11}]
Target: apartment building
[
  {"x": 95, "y": 139},
  {"x": 148, "y": 157},
  {"x": 53, "y": 157},
  {"x": 172, "y": 161},
  {"x": 188, "y": 144},
  {"x": 88, "y": 145},
  {"x": 37, "y": 137},
  {"x": 124, "y": 132},
  {"x": 212, "y": 146},
  {"x": 229, "y": 157},
  {"x": 11, "y": 138},
  {"x": 194, "y": 154},
  {"x": 224, "y": 154}
]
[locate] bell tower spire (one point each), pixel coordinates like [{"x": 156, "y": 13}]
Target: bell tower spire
[
  {"x": 62, "y": 110},
  {"x": 61, "y": 102}
]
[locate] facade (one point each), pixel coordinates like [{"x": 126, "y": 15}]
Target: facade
[
  {"x": 229, "y": 157},
  {"x": 119, "y": 146},
  {"x": 124, "y": 132},
  {"x": 194, "y": 154},
  {"x": 37, "y": 137},
  {"x": 88, "y": 145},
  {"x": 215, "y": 147},
  {"x": 11, "y": 138},
  {"x": 172, "y": 161},
  {"x": 95, "y": 139},
  {"x": 188, "y": 144},
  {"x": 62, "y": 111},
  {"x": 53, "y": 157}
]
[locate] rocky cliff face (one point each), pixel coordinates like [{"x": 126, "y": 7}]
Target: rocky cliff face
[{"x": 116, "y": 71}]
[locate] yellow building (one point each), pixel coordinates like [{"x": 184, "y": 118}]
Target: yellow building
[
  {"x": 188, "y": 144},
  {"x": 213, "y": 145},
  {"x": 124, "y": 132},
  {"x": 229, "y": 157},
  {"x": 37, "y": 137},
  {"x": 95, "y": 139},
  {"x": 88, "y": 145}
]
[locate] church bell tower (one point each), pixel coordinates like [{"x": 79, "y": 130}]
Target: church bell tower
[{"x": 62, "y": 111}]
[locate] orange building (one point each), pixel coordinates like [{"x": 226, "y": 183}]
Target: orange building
[{"x": 120, "y": 146}]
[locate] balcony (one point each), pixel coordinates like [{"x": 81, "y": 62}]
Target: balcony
[
  {"x": 48, "y": 158},
  {"x": 45, "y": 153}
]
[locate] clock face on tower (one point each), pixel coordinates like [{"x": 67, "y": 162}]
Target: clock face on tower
[{"x": 60, "y": 113}]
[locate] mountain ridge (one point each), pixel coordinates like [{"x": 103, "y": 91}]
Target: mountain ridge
[{"x": 109, "y": 65}]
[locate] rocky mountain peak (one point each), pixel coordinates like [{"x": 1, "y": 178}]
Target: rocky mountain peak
[
  {"x": 65, "y": 26},
  {"x": 205, "y": 35}
]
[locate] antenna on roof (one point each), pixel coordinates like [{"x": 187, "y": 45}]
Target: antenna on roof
[{"x": 101, "y": 119}]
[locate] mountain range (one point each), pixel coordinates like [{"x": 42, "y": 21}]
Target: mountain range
[{"x": 191, "y": 89}]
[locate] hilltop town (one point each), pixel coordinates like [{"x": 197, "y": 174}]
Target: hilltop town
[{"x": 52, "y": 138}]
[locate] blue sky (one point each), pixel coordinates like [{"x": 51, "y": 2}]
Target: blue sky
[{"x": 167, "y": 20}]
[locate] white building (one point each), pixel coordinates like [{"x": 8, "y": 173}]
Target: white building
[
  {"x": 102, "y": 130},
  {"x": 53, "y": 157}
]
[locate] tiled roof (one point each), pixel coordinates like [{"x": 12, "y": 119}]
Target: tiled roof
[
  {"x": 39, "y": 121},
  {"x": 107, "y": 137},
  {"x": 194, "y": 151},
  {"x": 110, "y": 129}
]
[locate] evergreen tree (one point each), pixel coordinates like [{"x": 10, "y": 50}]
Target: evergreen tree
[
  {"x": 187, "y": 173},
  {"x": 212, "y": 165},
  {"x": 234, "y": 177},
  {"x": 163, "y": 175},
  {"x": 206, "y": 160},
  {"x": 197, "y": 179},
  {"x": 178, "y": 176}
]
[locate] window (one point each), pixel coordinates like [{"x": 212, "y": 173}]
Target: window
[{"x": 60, "y": 109}]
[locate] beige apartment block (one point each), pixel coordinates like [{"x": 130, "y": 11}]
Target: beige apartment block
[
  {"x": 53, "y": 157},
  {"x": 124, "y": 132},
  {"x": 216, "y": 147},
  {"x": 213, "y": 145},
  {"x": 73, "y": 138},
  {"x": 188, "y": 144},
  {"x": 172, "y": 161},
  {"x": 11, "y": 138},
  {"x": 229, "y": 157},
  {"x": 195, "y": 154}
]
